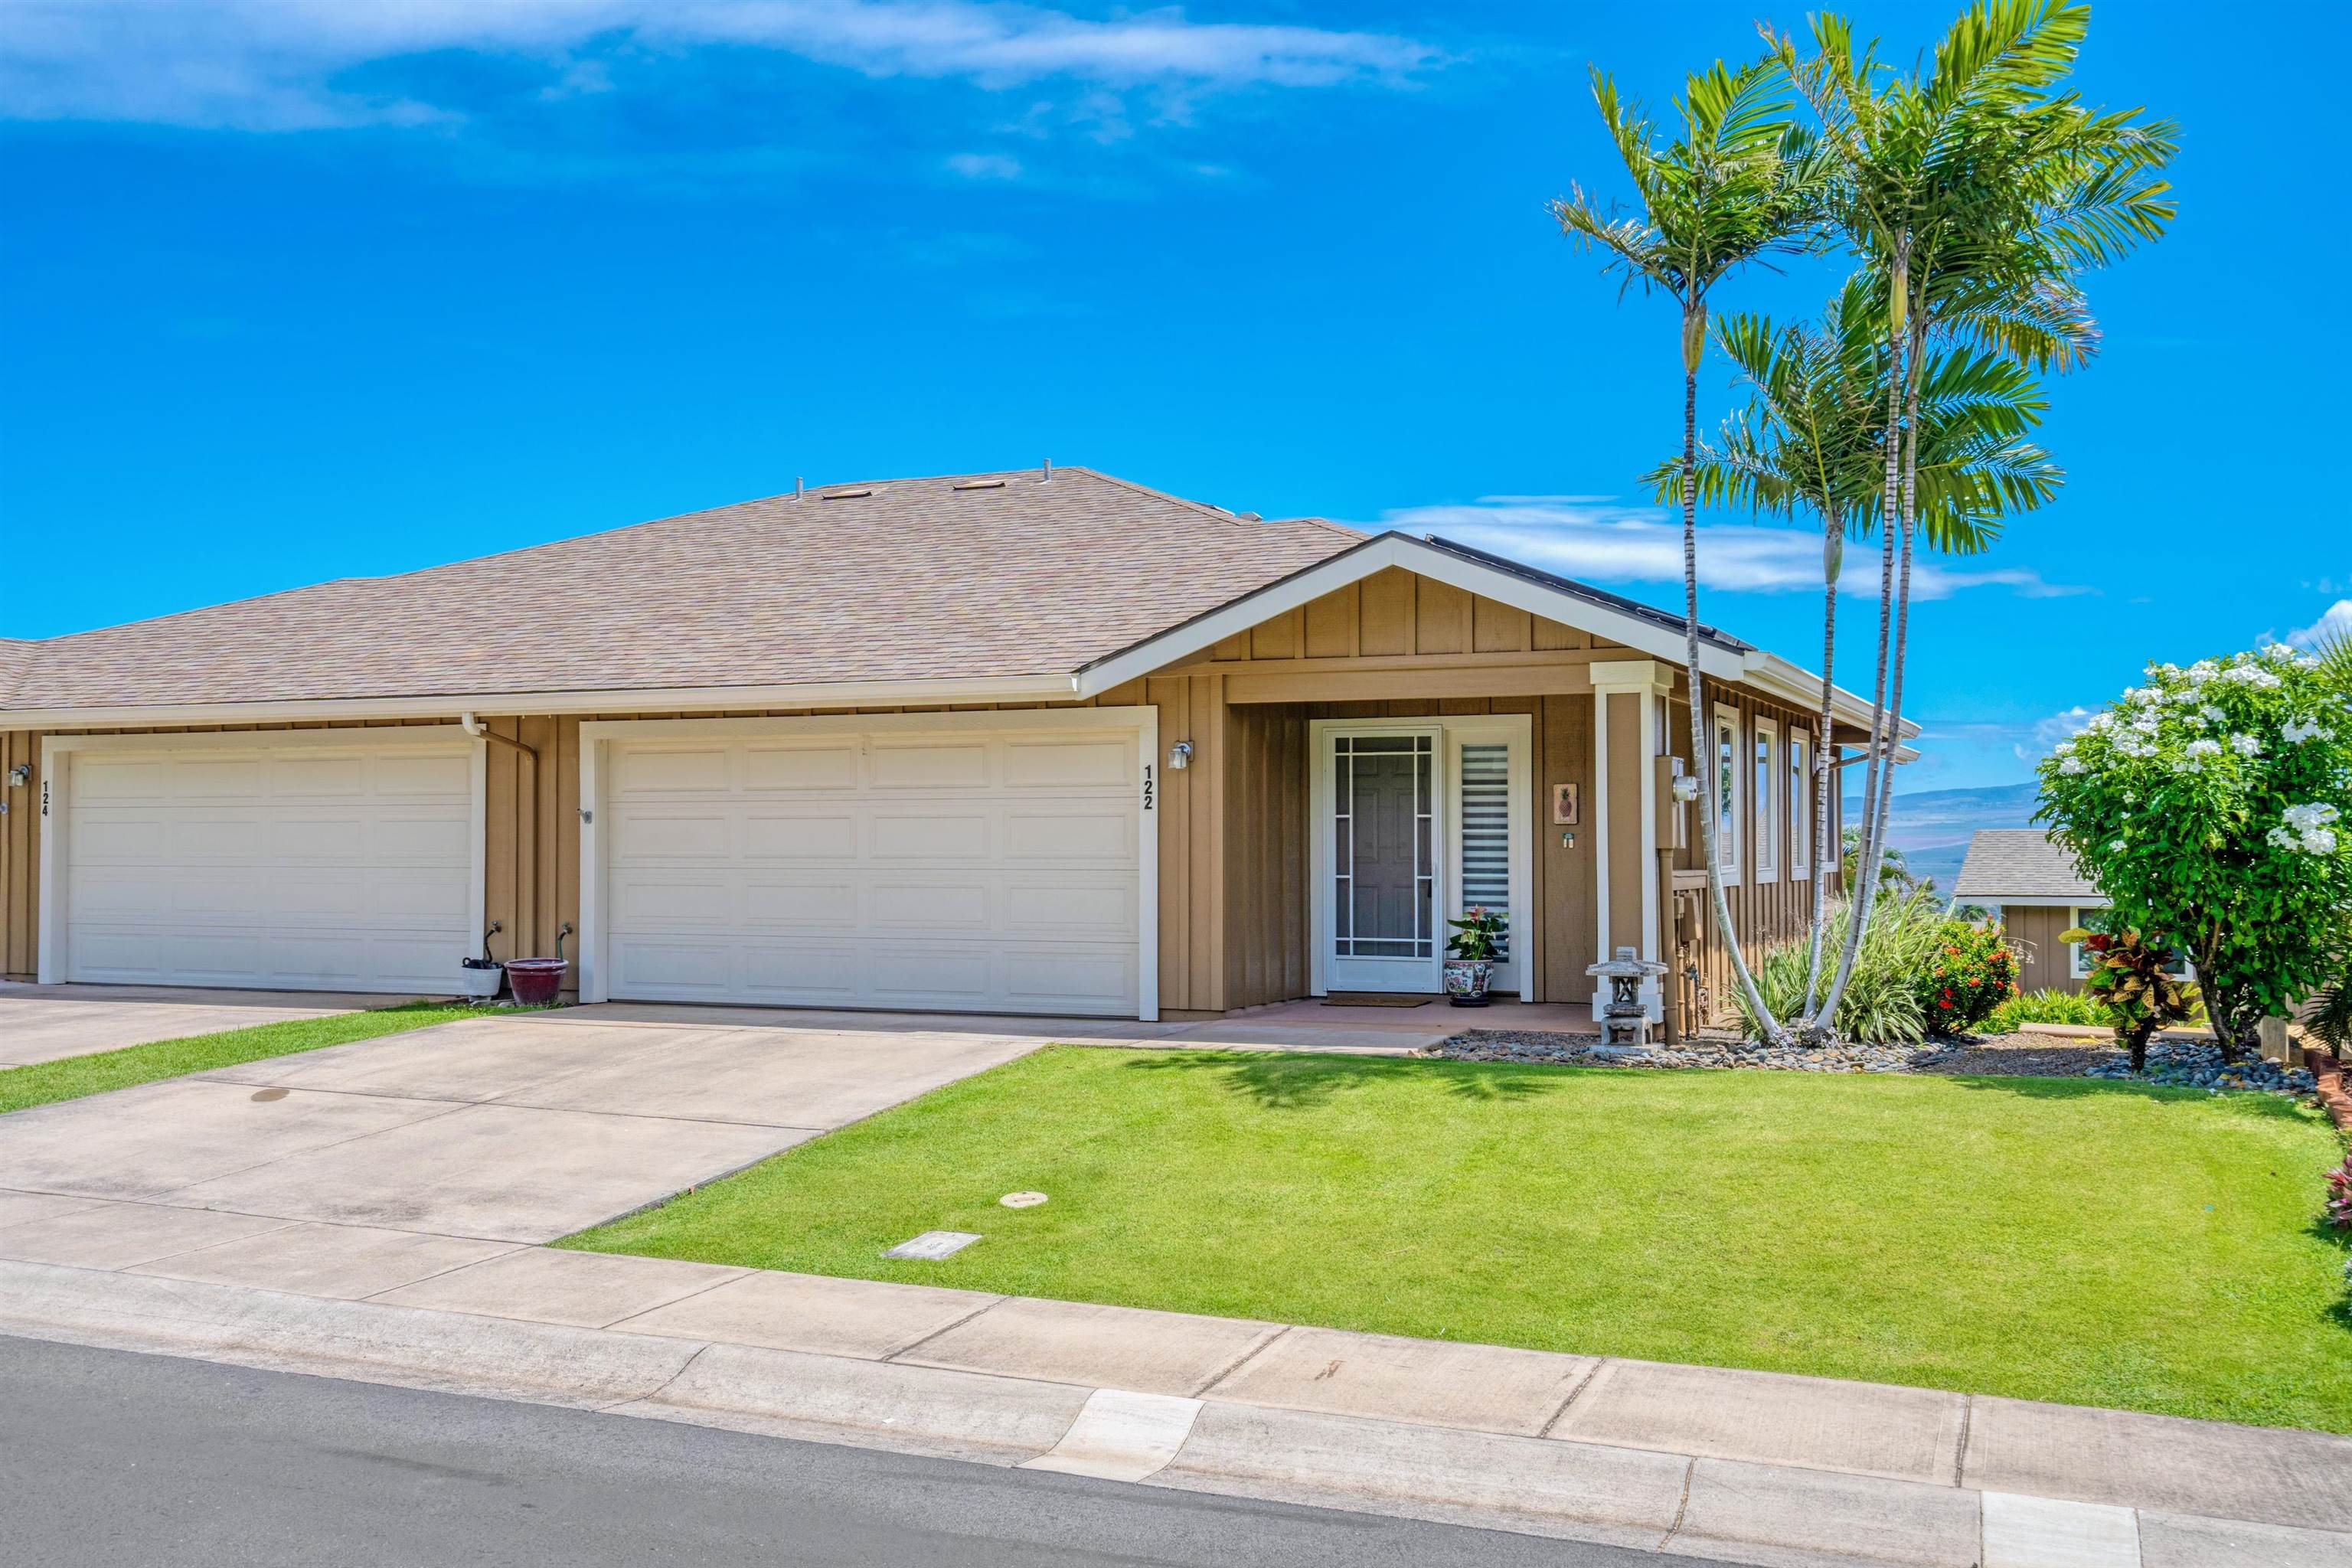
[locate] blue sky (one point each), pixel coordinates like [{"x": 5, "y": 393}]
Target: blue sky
[{"x": 290, "y": 293}]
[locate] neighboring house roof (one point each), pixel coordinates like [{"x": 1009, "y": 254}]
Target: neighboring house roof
[
  {"x": 2020, "y": 863},
  {"x": 965, "y": 576}
]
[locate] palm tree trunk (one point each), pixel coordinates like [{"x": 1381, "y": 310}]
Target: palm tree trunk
[
  {"x": 1885, "y": 800},
  {"x": 1694, "y": 340},
  {"x": 1880, "y": 756},
  {"x": 1833, "y": 559}
]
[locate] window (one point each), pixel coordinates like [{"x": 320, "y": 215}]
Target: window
[
  {"x": 2079, "y": 959},
  {"x": 1764, "y": 796},
  {"x": 1725, "y": 763},
  {"x": 1801, "y": 808}
]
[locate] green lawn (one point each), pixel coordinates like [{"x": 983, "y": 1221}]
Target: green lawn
[
  {"x": 70, "y": 1079},
  {"x": 2046, "y": 1238}
]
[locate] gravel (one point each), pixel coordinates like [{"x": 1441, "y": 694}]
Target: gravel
[{"x": 2182, "y": 1064}]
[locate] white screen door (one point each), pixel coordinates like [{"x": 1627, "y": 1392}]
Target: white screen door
[{"x": 1383, "y": 888}]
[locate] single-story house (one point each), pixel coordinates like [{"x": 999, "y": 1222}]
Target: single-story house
[
  {"x": 1043, "y": 741},
  {"x": 2031, "y": 886}
]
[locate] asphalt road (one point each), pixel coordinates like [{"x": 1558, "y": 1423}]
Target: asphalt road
[{"x": 117, "y": 1459}]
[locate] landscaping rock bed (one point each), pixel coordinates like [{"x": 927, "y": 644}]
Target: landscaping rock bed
[
  {"x": 2188, "y": 1063},
  {"x": 2182, "y": 1064}
]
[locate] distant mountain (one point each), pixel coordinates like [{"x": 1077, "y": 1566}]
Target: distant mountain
[{"x": 1932, "y": 828}]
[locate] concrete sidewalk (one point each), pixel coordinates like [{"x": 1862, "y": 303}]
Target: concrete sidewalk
[{"x": 1750, "y": 1467}]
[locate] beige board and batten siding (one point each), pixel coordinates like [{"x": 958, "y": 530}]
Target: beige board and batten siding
[
  {"x": 20, "y": 855},
  {"x": 1395, "y": 645}
]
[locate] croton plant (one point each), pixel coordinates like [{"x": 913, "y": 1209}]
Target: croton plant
[{"x": 2130, "y": 975}]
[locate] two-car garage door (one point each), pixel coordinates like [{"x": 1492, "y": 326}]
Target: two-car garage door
[
  {"x": 922, "y": 866},
  {"x": 342, "y": 862}
]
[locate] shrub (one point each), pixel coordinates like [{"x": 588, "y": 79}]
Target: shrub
[
  {"x": 2214, "y": 807},
  {"x": 1882, "y": 1000},
  {"x": 1970, "y": 973},
  {"x": 2134, "y": 978},
  {"x": 2049, "y": 1007},
  {"x": 2339, "y": 1195}
]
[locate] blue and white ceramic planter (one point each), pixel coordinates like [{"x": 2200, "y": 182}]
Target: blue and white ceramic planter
[{"x": 1467, "y": 980}]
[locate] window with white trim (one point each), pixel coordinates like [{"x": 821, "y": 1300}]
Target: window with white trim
[
  {"x": 1764, "y": 799},
  {"x": 1727, "y": 768},
  {"x": 2095, "y": 920},
  {"x": 1800, "y": 805}
]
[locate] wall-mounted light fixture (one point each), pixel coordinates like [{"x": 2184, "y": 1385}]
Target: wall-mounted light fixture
[
  {"x": 19, "y": 774},
  {"x": 1179, "y": 756}
]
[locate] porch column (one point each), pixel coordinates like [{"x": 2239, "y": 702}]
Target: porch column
[{"x": 1628, "y": 700}]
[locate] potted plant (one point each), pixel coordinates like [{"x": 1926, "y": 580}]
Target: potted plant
[
  {"x": 1470, "y": 955},
  {"x": 481, "y": 979}
]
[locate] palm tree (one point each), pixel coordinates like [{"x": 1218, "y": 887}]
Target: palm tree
[
  {"x": 1975, "y": 192},
  {"x": 1739, "y": 184},
  {"x": 1813, "y": 438},
  {"x": 1894, "y": 870}
]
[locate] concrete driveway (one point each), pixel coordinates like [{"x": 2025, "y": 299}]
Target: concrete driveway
[
  {"x": 46, "y": 1022},
  {"x": 518, "y": 1128}
]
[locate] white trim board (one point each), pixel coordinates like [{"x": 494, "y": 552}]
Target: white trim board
[
  {"x": 607, "y": 699},
  {"x": 1144, "y": 721}
]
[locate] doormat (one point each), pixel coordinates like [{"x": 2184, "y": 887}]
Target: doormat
[{"x": 1375, "y": 999}]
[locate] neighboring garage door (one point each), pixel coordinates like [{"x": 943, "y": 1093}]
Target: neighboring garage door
[
  {"x": 327, "y": 866},
  {"x": 987, "y": 869}
]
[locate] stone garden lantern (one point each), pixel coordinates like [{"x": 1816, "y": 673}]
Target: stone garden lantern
[{"x": 1626, "y": 1019}]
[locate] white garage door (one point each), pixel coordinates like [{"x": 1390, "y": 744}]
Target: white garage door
[
  {"x": 987, "y": 869},
  {"x": 323, "y": 866}
]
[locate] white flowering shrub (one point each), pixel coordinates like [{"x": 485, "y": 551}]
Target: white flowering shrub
[{"x": 2213, "y": 806}]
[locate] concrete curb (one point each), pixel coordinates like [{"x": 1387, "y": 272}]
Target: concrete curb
[
  {"x": 545, "y": 1363},
  {"x": 1773, "y": 1515}
]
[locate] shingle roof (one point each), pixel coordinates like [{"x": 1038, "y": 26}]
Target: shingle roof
[
  {"x": 1002, "y": 574},
  {"x": 2020, "y": 863},
  {"x": 1665, "y": 619}
]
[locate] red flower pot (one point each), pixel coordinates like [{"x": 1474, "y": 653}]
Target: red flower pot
[{"x": 535, "y": 980}]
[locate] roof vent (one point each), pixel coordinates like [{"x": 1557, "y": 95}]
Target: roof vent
[
  {"x": 848, "y": 495},
  {"x": 1047, "y": 478},
  {"x": 1249, "y": 517},
  {"x": 980, "y": 484},
  {"x": 800, "y": 488}
]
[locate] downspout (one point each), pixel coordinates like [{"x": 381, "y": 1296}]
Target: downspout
[{"x": 482, "y": 731}]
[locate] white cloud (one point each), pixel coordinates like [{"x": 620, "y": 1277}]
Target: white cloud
[
  {"x": 1590, "y": 538},
  {"x": 985, "y": 166},
  {"x": 2046, "y": 733},
  {"x": 270, "y": 65},
  {"x": 2336, "y": 621}
]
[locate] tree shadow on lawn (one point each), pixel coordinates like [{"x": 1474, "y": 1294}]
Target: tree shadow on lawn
[
  {"x": 2234, "y": 1102},
  {"x": 1299, "y": 1081}
]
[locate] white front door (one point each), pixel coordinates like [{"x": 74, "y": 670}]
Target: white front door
[
  {"x": 1415, "y": 824},
  {"x": 1384, "y": 832}
]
